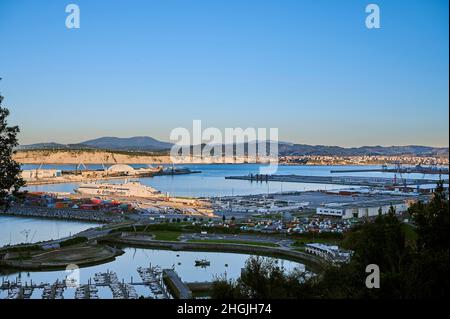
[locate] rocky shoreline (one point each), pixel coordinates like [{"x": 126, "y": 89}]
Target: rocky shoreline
[{"x": 62, "y": 213}]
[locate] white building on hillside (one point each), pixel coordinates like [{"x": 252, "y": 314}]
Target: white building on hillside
[{"x": 329, "y": 252}]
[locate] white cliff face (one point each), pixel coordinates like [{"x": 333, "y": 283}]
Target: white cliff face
[
  {"x": 86, "y": 157},
  {"x": 105, "y": 157}
]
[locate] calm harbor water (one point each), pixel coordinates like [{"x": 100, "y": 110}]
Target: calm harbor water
[
  {"x": 16, "y": 230},
  {"x": 125, "y": 266},
  {"x": 211, "y": 181}
]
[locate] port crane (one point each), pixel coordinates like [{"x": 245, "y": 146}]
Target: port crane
[
  {"x": 398, "y": 170},
  {"x": 78, "y": 166},
  {"x": 26, "y": 233}
]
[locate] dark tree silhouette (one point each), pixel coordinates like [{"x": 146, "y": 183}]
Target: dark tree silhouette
[{"x": 10, "y": 179}]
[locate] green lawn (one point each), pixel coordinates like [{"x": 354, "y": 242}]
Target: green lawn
[
  {"x": 225, "y": 241},
  {"x": 165, "y": 235}
]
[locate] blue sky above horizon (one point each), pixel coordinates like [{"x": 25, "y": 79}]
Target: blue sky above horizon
[{"x": 310, "y": 68}]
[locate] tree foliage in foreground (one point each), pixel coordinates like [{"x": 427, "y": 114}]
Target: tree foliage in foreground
[
  {"x": 10, "y": 180},
  {"x": 407, "y": 270}
]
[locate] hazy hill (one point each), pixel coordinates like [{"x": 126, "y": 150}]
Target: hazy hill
[
  {"x": 138, "y": 143},
  {"x": 149, "y": 144},
  {"x": 303, "y": 149}
]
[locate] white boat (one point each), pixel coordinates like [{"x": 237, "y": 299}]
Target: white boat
[{"x": 127, "y": 189}]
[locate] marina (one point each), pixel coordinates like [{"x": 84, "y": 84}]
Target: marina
[
  {"x": 118, "y": 279},
  {"x": 109, "y": 279}
]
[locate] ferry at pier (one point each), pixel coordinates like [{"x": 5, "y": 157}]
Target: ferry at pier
[{"x": 127, "y": 189}]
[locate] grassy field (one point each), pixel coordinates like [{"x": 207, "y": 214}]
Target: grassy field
[
  {"x": 165, "y": 235},
  {"x": 224, "y": 241}
]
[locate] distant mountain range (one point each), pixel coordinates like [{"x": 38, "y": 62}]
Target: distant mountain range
[
  {"x": 303, "y": 149},
  {"x": 137, "y": 143},
  {"x": 149, "y": 144}
]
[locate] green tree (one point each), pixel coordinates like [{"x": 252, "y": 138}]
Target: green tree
[
  {"x": 432, "y": 221},
  {"x": 10, "y": 179},
  {"x": 428, "y": 274},
  {"x": 381, "y": 242},
  {"x": 261, "y": 278}
]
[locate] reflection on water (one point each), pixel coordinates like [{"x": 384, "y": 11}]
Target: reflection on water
[
  {"x": 222, "y": 264},
  {"x": 16, "y": 230}
]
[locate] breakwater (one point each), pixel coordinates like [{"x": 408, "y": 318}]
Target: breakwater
[
  {"x": 334, "y": 180},
  {"x": 63, "y": 213}
]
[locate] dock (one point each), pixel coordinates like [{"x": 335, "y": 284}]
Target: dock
[
  {"x": 336, "y": 180},
  {"x": 151, "y": 277},
  {"x": 120, "y": 290},
  {"x": 86, "y": 292},
  {"x": 178, "y": 287}
]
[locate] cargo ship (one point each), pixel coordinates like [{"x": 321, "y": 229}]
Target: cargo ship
[{"x": 127, "y": 189}]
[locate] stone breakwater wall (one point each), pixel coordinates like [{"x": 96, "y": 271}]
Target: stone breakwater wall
[{"x": 62, "y": 213}]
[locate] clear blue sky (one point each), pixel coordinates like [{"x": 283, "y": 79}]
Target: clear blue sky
[{"x": 310, "y": 68}]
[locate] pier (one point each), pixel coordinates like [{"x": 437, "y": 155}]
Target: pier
[
  {"x": 336, "y": 180},
  {"x": 151, "y": 278},
  {"x": 120, "y": 290},
  {"x": 179, "y": 288},
  {"x": 88, "y": 291}
]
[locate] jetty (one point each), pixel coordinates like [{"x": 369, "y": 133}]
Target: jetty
[
  {"x": 152, "y": 277},
  {"x": 177, "y": 286},
  {"x": 336, "y": 180}
]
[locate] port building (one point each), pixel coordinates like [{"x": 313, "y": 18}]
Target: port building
[
  {"x": 31, "y": 174},
  {"x": 329, "y": 252},
  {"x": 360, "y": 210}
]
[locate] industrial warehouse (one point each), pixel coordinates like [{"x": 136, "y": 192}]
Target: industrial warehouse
[{"x": 363, "y": 209}]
